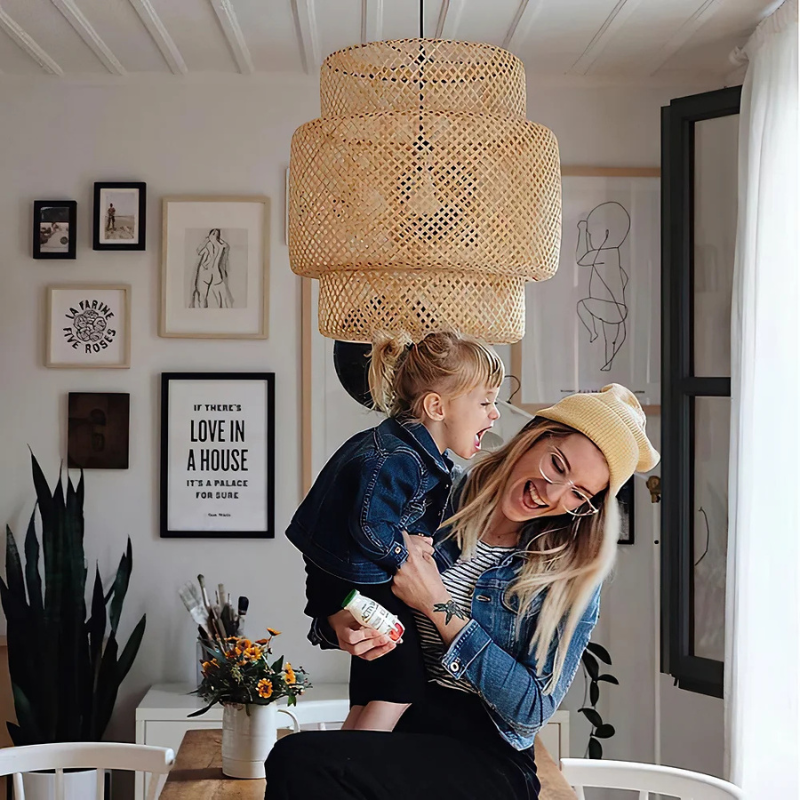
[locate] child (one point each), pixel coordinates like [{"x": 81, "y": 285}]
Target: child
[{"x": 439, "y": 395}]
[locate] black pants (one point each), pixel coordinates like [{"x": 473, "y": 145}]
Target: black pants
[
  {"x": 397, "y": 677},
  {"x": 445, "y": 747}
]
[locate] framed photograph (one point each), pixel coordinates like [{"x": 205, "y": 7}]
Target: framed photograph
[
  {"x": 54, "y": 228},
  {"x": 218, "y": 455},
  {"x": 329, "y": 415},
  {"x": 215, "y": 267},
  {"x": 625, "y": 498},
  {"x": 120, "y": 216},
  {"x": 601, "y": 311},
  {"x": 98, "y": 430},
  {"x": 88, "y": 327}
]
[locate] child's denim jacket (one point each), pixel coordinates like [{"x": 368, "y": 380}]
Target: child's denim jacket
[{"x": 381, "y": 482}]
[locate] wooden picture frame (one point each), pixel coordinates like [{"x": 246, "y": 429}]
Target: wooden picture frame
[
  {"x": 221, "y": 237},
  {"x": 210, "y": 490},
  {"x": 517, "y": 349},
  {"x": 86, "y": 324},
  {"x": 55, "y": 229},
  {"x": 120, "y": 227}
]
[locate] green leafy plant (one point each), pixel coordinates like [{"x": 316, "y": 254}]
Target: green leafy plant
[
  {"x": 593, "y": 678},
  {"x": 65, "y": 669}
]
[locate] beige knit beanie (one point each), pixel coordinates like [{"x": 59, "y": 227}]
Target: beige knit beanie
[{"x": 614, "y": 420}]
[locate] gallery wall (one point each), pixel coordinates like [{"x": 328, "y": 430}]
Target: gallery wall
[{"x": 231, "y": 137}]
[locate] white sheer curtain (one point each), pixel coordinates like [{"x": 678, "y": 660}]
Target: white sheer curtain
[{"x": 763, "y": 604}]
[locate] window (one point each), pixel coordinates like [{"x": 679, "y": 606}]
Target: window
[{"x": 699, "y": 183}]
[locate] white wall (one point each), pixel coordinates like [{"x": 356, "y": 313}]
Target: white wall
[{"x": 232, "y": 137}]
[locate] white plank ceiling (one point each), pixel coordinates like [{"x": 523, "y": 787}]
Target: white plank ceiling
[{"x": 639, "y": 40}]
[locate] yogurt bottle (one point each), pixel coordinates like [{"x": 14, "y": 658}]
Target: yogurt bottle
[{"x": 373, "y": 615}]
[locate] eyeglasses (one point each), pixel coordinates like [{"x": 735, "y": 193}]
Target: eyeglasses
[{"x": 554, "y": 470}]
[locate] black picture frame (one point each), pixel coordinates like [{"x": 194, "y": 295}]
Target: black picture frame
[
  {"x": 48, "y": 227},
  {"x": 98, "y": 430},
  {"x": 681, "y": 387},
  {"x": 99, "y": 242},
  {"x": 626, "y": 513},
  {"x": 168, "y": 379}
]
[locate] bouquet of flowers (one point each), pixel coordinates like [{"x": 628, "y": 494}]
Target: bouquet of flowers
[{"x": 240, "y": 671}]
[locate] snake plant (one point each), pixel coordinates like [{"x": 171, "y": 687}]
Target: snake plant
[{"x": 65, "y": 669}]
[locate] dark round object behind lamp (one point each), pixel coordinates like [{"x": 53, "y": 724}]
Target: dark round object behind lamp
[{"x": 351, "y": 361}]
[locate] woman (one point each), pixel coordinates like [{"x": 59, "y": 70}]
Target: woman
[
  {"x": 507, "y": 596},
  {"x": 211, "y": 274}
]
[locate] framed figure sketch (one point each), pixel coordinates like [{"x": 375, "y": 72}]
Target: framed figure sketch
[
  {"x": 218, "y": 455},
  {"x": 214, "y": 267},
  {"x": 601, "y": 310}
]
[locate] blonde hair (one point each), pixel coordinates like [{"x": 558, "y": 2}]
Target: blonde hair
[
  {"x": 567, "y": 560},
  {"x": 402, "y": 373}
]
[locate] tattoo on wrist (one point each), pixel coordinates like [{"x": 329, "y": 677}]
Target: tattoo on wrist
[{"x": 450, "y": 609}]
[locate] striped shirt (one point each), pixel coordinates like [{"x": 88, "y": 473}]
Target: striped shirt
[{"x": 459, "y": 580}]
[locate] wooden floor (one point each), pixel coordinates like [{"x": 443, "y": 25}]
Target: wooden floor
[{"x": 197, "y": 774}]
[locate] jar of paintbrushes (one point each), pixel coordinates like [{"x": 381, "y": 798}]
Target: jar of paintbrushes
[{"x": 215, "y": 621}]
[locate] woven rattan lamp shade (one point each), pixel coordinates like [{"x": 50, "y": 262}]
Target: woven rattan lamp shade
[{"x": 422, "y": 199}]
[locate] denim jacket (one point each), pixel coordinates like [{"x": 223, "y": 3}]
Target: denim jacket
[
  {"x": 492, "y": 653},
  {"x": 381, "y": 482}
]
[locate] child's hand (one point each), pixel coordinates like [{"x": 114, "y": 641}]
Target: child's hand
[{"x": 358, "y": 640}]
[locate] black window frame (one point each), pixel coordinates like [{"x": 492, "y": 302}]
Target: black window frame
[{"x": 680, "y": 387}]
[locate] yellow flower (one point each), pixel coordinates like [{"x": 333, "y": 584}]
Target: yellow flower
[
  {"x": 288, "y": 674},
  {"x": 244, "y": 644},
  {"x": 273, "y": 632},
  {"x": 252, "y": 653},
  {"x": 264, "y": 688}
]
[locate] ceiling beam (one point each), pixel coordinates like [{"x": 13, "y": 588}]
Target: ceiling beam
[
  {"x": 608, "y": 30},
  {"x": 26, "y": 42},
  {"x": 233, "y": 33},
  {"x": 449, "y": 19},
  {"x": 90, "y": 36},
  {"x": 683, "y": 34},
  {"x": 164, "y": 42},
  {"x": 521, "y": 26},
  {"x": 308, "y": 34},
  {"x": 371, "y": 21}
]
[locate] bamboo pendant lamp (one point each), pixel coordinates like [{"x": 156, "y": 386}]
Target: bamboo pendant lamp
[{"x": 422, "y": 199}]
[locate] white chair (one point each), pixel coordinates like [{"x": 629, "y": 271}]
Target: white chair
[
  {"x": 157, "y": 761},
  {"x": 647, "y": 779}
]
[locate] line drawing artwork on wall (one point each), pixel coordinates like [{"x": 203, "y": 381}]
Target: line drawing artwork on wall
[
  {"x": 216, "y": 266},
  {"x": 600, "y": 236}
]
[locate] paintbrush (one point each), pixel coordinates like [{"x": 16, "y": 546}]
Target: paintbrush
[
  {"x": 194, "y": 605},
  {"x": 244, "y": 604},
  {"x": 214, "y": 623}
]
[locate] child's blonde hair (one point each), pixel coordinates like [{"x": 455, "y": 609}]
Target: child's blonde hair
[{"x": 401, "y": 373}]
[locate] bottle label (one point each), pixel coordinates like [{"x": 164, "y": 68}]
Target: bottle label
[{"x": 372, "y": 614}]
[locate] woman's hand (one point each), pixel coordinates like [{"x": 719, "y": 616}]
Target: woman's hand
[
  {"x": 358, "y": 640},
  {"x": 418, "y": 583}
]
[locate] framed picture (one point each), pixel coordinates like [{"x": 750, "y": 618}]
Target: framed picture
[
  {"x": 329, "y": 415},
  {"x": 54, "y": 228},
  {"x": 120, "y": 216},
  {"x": 601, "y": 311},
  {"x": 98, "y": 430},
  {"x": 218, "y": 455},
  {"x": 625, "y": 498},
  {"x": 88, "y": 327},
  {"x": 215, "y": 267}
]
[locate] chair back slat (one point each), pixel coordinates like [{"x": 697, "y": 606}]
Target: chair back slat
[
  {"x": 644, "y": 795},
  {"x": 156, "y": 785},
  {"x": 101, "y": 783},
  {"x": 19, "y": 789},
  {"x": 59, "y": 784}
]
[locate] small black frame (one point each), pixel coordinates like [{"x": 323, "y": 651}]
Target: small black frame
[
  {"x": 98, "y": 216},
  {"x": 54, "y": 211},
  {"x": 167, "y": 378}
]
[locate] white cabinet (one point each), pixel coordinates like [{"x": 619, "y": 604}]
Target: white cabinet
[{"x": 162, "y": 718}]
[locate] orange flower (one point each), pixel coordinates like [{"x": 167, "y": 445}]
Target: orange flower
[
  {"x": 262, "y": 641},
  {"x": 265, "y": 688},
  {"x": 289, "y": 674},
  {"x": 273, "y": 632},
  {"x": 252, "y": 653}
]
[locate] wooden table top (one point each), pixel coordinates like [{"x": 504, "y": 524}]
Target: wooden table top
[{"x": 197, "y": 774}]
